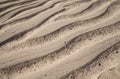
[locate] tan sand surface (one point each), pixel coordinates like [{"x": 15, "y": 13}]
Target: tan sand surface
[{"x": 59, "y": 39}]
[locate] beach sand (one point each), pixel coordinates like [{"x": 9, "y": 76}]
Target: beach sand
[{"x": 59, "y": 39}]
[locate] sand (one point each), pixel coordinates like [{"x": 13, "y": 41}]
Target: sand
[{"x": 59, "y": 39}]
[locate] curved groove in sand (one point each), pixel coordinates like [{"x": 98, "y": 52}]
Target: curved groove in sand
[
  {"x": 58, "y": 38},
  {"x": 55, "y": 26},
  {"x": 83, "y": 58},
  {"x": 12, "y": 13},
  {"x": 29, "y": 23},
  {"x": 37, "y": 49}
]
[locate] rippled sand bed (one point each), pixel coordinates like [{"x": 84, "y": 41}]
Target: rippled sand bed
[{"x": 59, "y": 39}]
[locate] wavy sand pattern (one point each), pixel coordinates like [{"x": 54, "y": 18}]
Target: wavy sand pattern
[{"x": 59, "y": 39}]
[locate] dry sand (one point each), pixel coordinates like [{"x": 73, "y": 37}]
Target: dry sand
[{"x": 59, "y": 39}]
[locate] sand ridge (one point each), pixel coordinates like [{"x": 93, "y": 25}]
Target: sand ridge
[{"x": 59, "y": 39}]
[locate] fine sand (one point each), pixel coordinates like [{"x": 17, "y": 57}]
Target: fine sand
[{"x": 59, "y": 39}]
